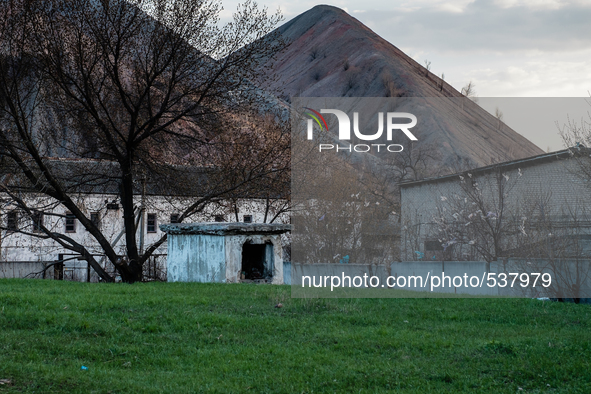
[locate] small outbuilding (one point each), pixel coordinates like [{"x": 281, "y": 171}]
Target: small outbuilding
[{"x": 225, "y": 252}]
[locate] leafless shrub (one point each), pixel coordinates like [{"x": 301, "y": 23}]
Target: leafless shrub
[
  {"x": 390, "y": 87},
  {"x": 352, "y": 80},
  {"x": 346, "y": 64},
  {"x": 427, "y": 67},
  {"x": 314, "y": 53}
]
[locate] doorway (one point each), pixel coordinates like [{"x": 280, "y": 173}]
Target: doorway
[{"x": 257, "y": 264}]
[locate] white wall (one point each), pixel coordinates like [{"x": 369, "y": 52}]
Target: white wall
[{"x": 15, "y": 246}]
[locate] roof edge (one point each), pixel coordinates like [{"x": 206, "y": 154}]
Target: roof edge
[{"x": 561, "y": 154}]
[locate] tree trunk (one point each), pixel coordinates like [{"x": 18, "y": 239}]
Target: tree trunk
[{"x": 132, "y": 271}]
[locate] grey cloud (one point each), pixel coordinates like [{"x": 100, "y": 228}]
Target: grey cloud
[{"x": 484, "y": 26}]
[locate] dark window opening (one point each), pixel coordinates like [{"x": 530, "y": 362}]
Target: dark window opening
[
  {"x": 174, "y": 218},
  {"x": 151, "y": 226},
  {"x": 247, "y": 218},
  {"x": 95, "y": 219},
  {"x": 37, "y": 218},
  {"x": 253, "y": 262},
  {"x": 70, "y": 223},
  {"x": 12, "y": 221},
  {"x": 219, "y": 218}
]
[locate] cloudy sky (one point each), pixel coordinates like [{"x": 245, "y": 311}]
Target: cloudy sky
[{"x": 507, "y": 48}]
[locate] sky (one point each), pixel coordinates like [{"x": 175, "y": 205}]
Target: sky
[{"x": 507, "y": 48}]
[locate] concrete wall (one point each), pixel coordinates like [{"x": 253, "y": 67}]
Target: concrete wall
[
  {"x": 196, "y": 258},
  {"x": 18, "y": 247},
  {"x": 559, "y": 182},
  {"x": 73, "y": 270},
  {"x": 287, "y": 273},
  {"x": 201, "y": 252},
  {"x": 274, "y": 255},
  {"x": 20, "y": 269}
]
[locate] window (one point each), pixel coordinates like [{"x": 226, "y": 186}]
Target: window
[
  {"x": 37, "y": 218},
  {"x": 219, "y": 218},
  {"x": 174, "y": 218},
  {"x": 95, "y": 219},
  {"x": 12, "y": 221},
  {"x": 151, "y": 227},
  {"x": 247, "y": 218},
  {"x": 70, "y": 223}
]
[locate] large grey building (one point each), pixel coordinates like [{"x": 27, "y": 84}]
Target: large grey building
[{"x": 537, "y": 207}]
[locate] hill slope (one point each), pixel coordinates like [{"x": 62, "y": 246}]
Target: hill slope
[{"x": 332, "y": 54}]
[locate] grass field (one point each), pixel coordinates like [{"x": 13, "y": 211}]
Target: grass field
[{"x": 181, "y": 338}]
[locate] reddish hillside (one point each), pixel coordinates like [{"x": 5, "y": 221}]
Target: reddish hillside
[{"x": 332, "y": 54}]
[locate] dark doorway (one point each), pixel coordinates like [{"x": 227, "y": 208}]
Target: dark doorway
[
  {"x": 253, "y": 261},
  {"x": 58, "y": 271},
  {"x": 58, "y": 268}
]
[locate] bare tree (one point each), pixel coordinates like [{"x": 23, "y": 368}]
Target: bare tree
[
  {"x": 576, "y": 137},
  {"x": 469, "y": 92},
  {"x": 577, "y": 134},
  {"x": 338, "y": 219},
  {"x": 427, "y": 67},
  {"x": 554, "y": 241},
  {"x": 499, "y": 116},
  {"x": 499, "y": 216},
  {"x": 480, "y": 219},
  {"x": 146, "y": 89},
  {"x": 390, "y": 86},
  {"x": 349, "y": 206}
]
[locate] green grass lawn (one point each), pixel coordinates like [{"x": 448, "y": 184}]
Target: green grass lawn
[{"x": 180, "y": 338}]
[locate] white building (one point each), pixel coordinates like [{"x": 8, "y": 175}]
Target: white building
[{"x": 24, "y": 253}]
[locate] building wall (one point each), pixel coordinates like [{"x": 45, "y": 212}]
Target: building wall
[
  {"x": 23, "y": 248},
  {"x": 558, "y": 185},
  {"x": 273, "y": 255},
  {"x": 218, "y": 258},
  {"x": 196, "y": 258}
]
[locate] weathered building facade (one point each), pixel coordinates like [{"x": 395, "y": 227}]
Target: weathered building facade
[
  {"x": 520, "y": 208},
  {"x": 24, "y": 252},
  {"x": 225, "y": 252}
]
